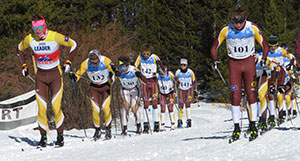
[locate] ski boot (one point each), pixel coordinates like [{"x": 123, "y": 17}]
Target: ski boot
[
  {"x": 271, "y": 121},
  {"x": 263, "y": 125},
  {"x": 179, "y": 124},
  {"x": 60, "y": 140},
  {"x": 138, "y": 128},
  {"x": 294, "y": 113},
  {"x": 43, "y": 141},
  {"x": 124, "y": 130},
  {"x": 173, "y": 126},
  {"x": 97, "y": 134},
  {"x": 284, "y": 114},
  {"x": 188, "y": 123},
  {"x": 162, "y": 127},
  {"x": 156, "y": 126},
  {"x": 259, "y": 123},
  {"x": 146, "y": 128},
  {"x": 236, "y": 132},
  {"x": 107, "y": 133},
  {"x": 280, "y": 119},
  {"x": 253, "y": 131}
]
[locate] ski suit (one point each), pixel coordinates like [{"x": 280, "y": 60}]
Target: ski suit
[
  {"x": 186, "y": 82},
  {"x": 166, "y": 89},
  {"x": 264, "y": 84},
  {"x": 130, "y": 92},
  {"x": 49, "y": 73},
  {"x": 241, "y": 47},
  {"x": 148, "y": 69},
  {"x": 101, "y": 77}
]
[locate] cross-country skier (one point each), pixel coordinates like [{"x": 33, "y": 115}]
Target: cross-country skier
[
  {"x": 278, "y": 54},
  {"x": 266, "y": 78},
  {"x": 149, "y": 64},
  {"x": 186, "y": 84},
  {"x": 100, "y": 71},
  {"x": 130, "y": 92},
  {"x": 166, "y": 87},
  {"x": 45, "y": 45},
  {"x": 240, "y": 36}
]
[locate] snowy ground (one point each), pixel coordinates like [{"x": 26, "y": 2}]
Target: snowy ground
[{"x": 206, "y": 140}]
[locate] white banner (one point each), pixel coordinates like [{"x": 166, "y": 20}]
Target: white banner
[{"x": 18, "y": 111}]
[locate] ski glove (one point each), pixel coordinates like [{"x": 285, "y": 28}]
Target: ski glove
[
  {"x": 25, "y": 72},
  {"x": 195, "y": 94},
  {"x": 281, "y": 89},
  {"x": 288, "y": 67},
  {"x": 272, "y": 88},
  {"x": 67, "y": 66},
  {"x": 263, "y": 62},
  {"x": 293, "y": 80},
  {"x": 73, "y": 77},
  {"x": 215, "y": 67}
]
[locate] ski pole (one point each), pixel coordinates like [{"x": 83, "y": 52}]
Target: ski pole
[
  {"x": 220, "y": 74},
  {"x": 28, "y": 76},
  {"x": 119, "y": 104},
  {"x": 81, "y": 76},
  {"x": 75, "y": 94},
  {"x": 112, "y": 101}
]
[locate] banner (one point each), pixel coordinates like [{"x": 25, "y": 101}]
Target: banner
[{"x": 18, "y": 111}]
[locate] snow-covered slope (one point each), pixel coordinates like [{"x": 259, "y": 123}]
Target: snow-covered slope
[{"x": 206, "y": 140}]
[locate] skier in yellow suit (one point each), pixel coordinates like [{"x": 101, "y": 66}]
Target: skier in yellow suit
[
  {"x": 100, "y": 71},
  {"x": 45, "y": 45}
]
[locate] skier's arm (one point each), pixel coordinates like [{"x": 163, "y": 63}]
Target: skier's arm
[
  {"x": 217, "y": 42},
  {"x": 261, "y": 40}
]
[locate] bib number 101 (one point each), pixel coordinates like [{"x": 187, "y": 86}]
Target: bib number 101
[{"x": 241, "y": 49}]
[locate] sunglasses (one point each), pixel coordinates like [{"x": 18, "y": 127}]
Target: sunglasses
[
  {"x": 183, "y": 64},
  {"x": 274, "y": 45},
  {"x": 39, "y": 27},
  {"x": 123, "y": 67},
  {"x": 146, "y": 53},
  {"x": 238, "y": 19}
]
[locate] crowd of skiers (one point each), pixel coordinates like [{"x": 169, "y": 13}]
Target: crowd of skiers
[
  {"x": 145, "y": 80},
  {"x": 266, "y": 76}
]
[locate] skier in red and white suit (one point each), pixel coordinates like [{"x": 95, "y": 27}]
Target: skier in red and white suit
[{"x": 240, "y": 36}]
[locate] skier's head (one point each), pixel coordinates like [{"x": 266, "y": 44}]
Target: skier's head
[
  {"x": 183, "y": 63},
  {"x": 94, "y": 57},
  {"x": 163, "y": 70},
  {"x": 39, "y": 26},
  {"x": 238, "y": 16},
  {"x": 124, "y": 62},
  {"x": 273, "y": 42},
  {"x": 147, "y": 50}
]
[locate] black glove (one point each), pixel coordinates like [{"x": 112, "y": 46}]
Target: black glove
[
  {"x": 195, "y": 94},
  {"x": 215, "y": 67},
  {"x": 263, "y": 62},
  {"x": 272, "y": 88},
  {"x": 288, "y": 67},
  {"x": 298, "y": 68},
  {"x": 25, "y": 70},
  {"x": 281, "y": 89},
  {"x": 73, "y": 77},
  {"x": 138, "y": 74}
]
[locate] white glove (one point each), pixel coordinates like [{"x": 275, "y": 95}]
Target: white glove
[{"x": 67, "y": 68}]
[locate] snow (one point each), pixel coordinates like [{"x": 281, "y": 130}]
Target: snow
[{"x": 206, "y": 140}]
